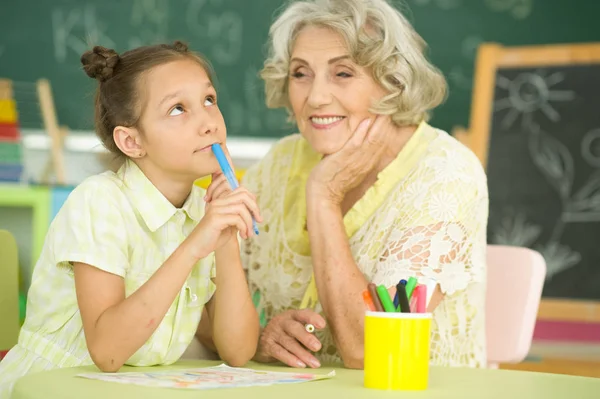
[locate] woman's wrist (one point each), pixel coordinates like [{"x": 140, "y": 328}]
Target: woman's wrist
[
  {"x": 320, "y": 210},
  {"x": 321, "y": 194}
]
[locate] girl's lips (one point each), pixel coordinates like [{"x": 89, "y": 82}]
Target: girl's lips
[{"x": 204, "y": 149}]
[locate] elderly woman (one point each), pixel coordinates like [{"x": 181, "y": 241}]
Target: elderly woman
[{"x": 367, "y": 192}]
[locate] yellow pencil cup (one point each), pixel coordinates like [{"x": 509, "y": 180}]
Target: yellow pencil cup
[{"x": 397, "y": 350}]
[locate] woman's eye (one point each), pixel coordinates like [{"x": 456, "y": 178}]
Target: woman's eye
[
  {"x": 297, "y": 75},
  {"x": 344, "y": 75},
  {"x": 177, "y": 110},
  {"x": 210, "y": 100}
]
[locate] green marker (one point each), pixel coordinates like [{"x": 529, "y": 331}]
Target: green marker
[
  {"x": 386, "y": 301},
  {"x": 410, "y": 286}
]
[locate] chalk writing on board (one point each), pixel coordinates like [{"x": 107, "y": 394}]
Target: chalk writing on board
[
  {"x": 224, "y": 30},
  {"x": 442, "y": 4},
  {"x": 459, "y": 78},
  {"x": 150, "y": 21},
  {"x": 458, "y": 75},
  {"x": 584, "y": 206},
  {"x": 244, "y": 113},
  {"x": 590, "y": 147},
  {"x": 77, "y": 29},
  {"x": 530, "y": 93},
  {"x": 519, "y": 9},
  {"x": 514, "y": 229}
]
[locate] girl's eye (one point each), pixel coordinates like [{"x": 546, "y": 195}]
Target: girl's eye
[
  {"x": 210, "y": 100},
  {"x": 177, "y": 110},
  {"x": 297, "y": 75}
]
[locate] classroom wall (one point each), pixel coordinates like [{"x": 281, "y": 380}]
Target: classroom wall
[{"x": 84, "y": 156}]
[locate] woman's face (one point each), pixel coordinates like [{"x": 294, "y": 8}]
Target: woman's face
[{"x": 329, "y": 94}]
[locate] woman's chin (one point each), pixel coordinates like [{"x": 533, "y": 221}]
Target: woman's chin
[{"x": 325, "y": 148}]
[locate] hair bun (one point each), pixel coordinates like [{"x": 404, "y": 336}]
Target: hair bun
[
  {"x": 180, "y": 46},
  {"x": 100, "y": 63}
]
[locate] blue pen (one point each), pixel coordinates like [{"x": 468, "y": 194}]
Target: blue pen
[{"x": 228, "y": 172}]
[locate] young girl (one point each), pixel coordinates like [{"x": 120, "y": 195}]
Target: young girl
[{"x": 133, "y": 257}]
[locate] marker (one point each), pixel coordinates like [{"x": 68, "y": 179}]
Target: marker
[
  {"x": 421, "y": 293},
  {"x": 413, "y": 303},
  {"x": 373, "y": 291},
  {"x": 385, "y": 299},
  {"x": 368, "y": 301},
  {"x": 404, "y": 307},
  {"x": 410, "y": 286},
  {"x": 228, "y": 172},
  {"x": 309, "y": 328},
  {"x": 396, "y": 299}
]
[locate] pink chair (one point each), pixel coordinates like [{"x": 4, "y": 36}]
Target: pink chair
[{"x": 515, "y": 278}]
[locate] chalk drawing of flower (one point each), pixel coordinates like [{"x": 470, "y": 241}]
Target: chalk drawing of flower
[
  {"x": 553, "y": 160},
  {"x": 529, "y": 93},
  {"x": 558, "y": 258},
  {"x": 516, "y": 231},
  {"x": 587, "y": 199}
]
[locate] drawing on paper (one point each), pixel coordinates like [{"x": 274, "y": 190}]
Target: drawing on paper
[{"x": 221, "y": 376}]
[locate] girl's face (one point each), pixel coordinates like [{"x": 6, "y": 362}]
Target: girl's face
[{"x": 180, "y": 120}]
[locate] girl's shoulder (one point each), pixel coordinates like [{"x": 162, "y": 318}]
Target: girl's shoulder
[
  {"x": 97, "y": 197},
  {"x": 98, "y": 189}
]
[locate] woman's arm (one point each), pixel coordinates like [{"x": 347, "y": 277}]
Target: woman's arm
[
  {"x": 339, "y": 281},
  {"x": 430, "y": 245}
]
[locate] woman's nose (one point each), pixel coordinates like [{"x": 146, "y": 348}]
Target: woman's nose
[{"x": 320, "y": 93}]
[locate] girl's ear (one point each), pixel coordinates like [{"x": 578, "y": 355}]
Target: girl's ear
[{"x": 129, "y": 141}]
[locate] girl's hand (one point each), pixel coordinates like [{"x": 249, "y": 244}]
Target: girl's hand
[
  {"x": 219, "y": 186},
  {"x": 227, "y": 213}
]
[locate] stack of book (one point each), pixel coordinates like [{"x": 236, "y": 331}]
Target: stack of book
[{"x": 11, "y": 148}]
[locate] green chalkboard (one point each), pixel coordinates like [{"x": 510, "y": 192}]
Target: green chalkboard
[{"x": 45, "y": 38}]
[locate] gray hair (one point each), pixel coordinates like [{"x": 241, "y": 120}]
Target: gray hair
[{"x": 378, "y": 37}]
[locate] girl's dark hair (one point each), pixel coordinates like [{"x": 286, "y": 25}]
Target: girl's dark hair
[{"x": 119, "y": 100}]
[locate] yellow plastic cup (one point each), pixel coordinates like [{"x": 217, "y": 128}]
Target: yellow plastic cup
[{"x": 397, "y": 351}]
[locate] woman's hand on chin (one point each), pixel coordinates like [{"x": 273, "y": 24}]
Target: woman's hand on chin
[{"x": 340, "y": 172}]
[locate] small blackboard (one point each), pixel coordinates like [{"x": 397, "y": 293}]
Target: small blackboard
[{"x": 536, "y": 128}]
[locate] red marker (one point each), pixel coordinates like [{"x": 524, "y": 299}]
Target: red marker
[{"x": 421, "y": 292}]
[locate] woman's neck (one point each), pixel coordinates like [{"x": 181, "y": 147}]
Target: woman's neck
[{"x": 397, "y": 141}]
